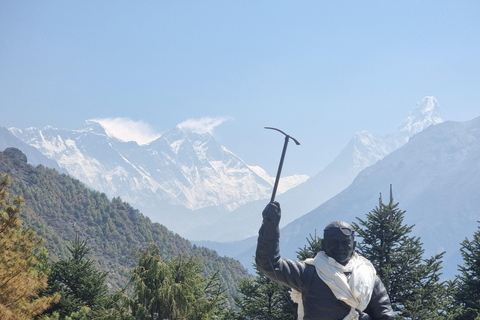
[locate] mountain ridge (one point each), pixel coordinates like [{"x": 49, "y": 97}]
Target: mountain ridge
[
  {"x": 212, "y": 194},
  {"x": 186, "y": 172},
  {"x": 362, "y": 151},
  {"x": 58, "y": 207},
  {"x": 435, "y": 178}
]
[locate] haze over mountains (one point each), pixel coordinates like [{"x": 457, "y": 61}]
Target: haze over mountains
[
  {"x": 189, "y": 182},
  {"x": 182, "y": 179},
  {"x": 199, "y": 189},
  {"x": 435, "y": 178},
  {"x": 363, "y": 150}
]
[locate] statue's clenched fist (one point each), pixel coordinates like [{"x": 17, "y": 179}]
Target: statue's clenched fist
[{"x": 272, "y": 213}]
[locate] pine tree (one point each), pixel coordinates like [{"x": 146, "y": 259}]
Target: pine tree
[
  {"x": 22, "y": 263},
  {"x": 468, "y": 281},
  {"x": 174, "y": 290},
  {"x": 411, "y": 281},
  {"x": 264, "y": 299},
  {"x": 78, "y": 280},
  {"x": 310, "y": 251}
]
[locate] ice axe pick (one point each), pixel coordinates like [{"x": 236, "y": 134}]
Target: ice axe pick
[{"x": 280, "y": 166}]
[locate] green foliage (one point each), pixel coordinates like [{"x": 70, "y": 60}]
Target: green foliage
[
  {"x": 310, "y": 251},
  {"x": 23, "y": 271},
  {"x": 173, "y": 290},
  {"x": 85, "y": 313},
  {"x": 57, "y": 207},
  {"x": 174, "y": 278},
  {"x": 468, "y": 281},
  {"x": 264, "y": 299},
  {"x": 411, "y": 282},
  {"x": 77, "y": 280}
]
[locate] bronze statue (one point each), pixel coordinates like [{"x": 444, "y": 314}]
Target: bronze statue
[{"x": 337, "y": 284}]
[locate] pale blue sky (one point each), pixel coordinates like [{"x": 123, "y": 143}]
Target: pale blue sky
[{"x": 318, "y": 70}]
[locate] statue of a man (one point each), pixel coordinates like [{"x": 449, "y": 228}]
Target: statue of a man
[{"x": 337, "y": 284}]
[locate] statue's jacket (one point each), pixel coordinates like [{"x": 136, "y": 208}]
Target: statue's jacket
[{"x": 319, "y": 302}]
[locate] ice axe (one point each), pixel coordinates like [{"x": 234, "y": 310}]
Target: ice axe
[{"x": 280, "y": 166}]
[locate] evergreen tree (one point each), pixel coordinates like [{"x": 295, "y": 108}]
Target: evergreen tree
[
  {"x": 78, "y": 280},
  {"x": 56, "y": 202},
  {"x": 264, "y": 299},
  {"x": 22, "y": 263},
  {"x": 411, "y": 281},
  {"x": 468, "y": 281},
  {"x": 174, "y": 290},
  {"x": 310, "y": 250}
]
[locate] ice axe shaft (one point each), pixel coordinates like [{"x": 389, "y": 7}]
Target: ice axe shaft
[{"x": 280, "y": 166}]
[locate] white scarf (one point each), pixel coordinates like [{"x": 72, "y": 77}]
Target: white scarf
[{"x": 355, "y": 291}]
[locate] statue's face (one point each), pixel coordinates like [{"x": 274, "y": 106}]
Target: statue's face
[{"x": 338, "y": 246}]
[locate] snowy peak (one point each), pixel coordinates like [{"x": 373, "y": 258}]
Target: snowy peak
[
  {"x": 181, "y": 168},
  {"x": 436, "y": 178},
  {"x": 94, "y": 127},
  {"x": 200, "y": 144},
  {"x": 190, "y": 147},
  {"x": 426, "y": 113},
  {"x": 177, "y": 139},
  {"x": 367, "y": 148},
  {"x": 363, "y": 150}
]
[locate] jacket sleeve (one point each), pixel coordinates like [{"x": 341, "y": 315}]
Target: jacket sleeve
[
  {"x": 379, "y": 307},
  {"x": 288, "y": 272}
]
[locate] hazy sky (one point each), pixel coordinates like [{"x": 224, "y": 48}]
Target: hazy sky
[{"x": 319, "y": 70}]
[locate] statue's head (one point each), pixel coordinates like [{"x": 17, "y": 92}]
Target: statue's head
[{"x": 339, "y": 241}]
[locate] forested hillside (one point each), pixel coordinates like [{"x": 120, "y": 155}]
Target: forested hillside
[{"x": 58, "y": 207}]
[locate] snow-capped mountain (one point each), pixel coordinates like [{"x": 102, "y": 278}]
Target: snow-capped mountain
[
  {"x": 435, "y": 177},
  {"x": 35, "y": 157},
  {"x": 424, "y": 115},
  {"x": 177, "y": 173},
  {"x": 191, "y": 184},
  {"x": 363, "y": 150}
]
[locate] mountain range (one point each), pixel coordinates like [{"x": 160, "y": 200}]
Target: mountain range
[
  {"x": 189, "y": 175},
  {"x": 435, "y": 178},
  {"x": 209, "y": 192},
  {"x": 58, "y": 208},
  {"x": 199, "y": 189},
  {"x": 363, "y": 150}
]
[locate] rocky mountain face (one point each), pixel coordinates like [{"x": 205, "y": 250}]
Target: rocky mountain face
[
  {"x": 181, "y": 179},
  {"x": 363, "y": 150}
]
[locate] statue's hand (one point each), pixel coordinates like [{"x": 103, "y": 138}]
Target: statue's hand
[
  {"x": 270, "y": 228},
  {"x": 272, "y": 213}
]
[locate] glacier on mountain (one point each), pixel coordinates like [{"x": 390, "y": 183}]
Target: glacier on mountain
[{"x": 181, "y": 172}]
